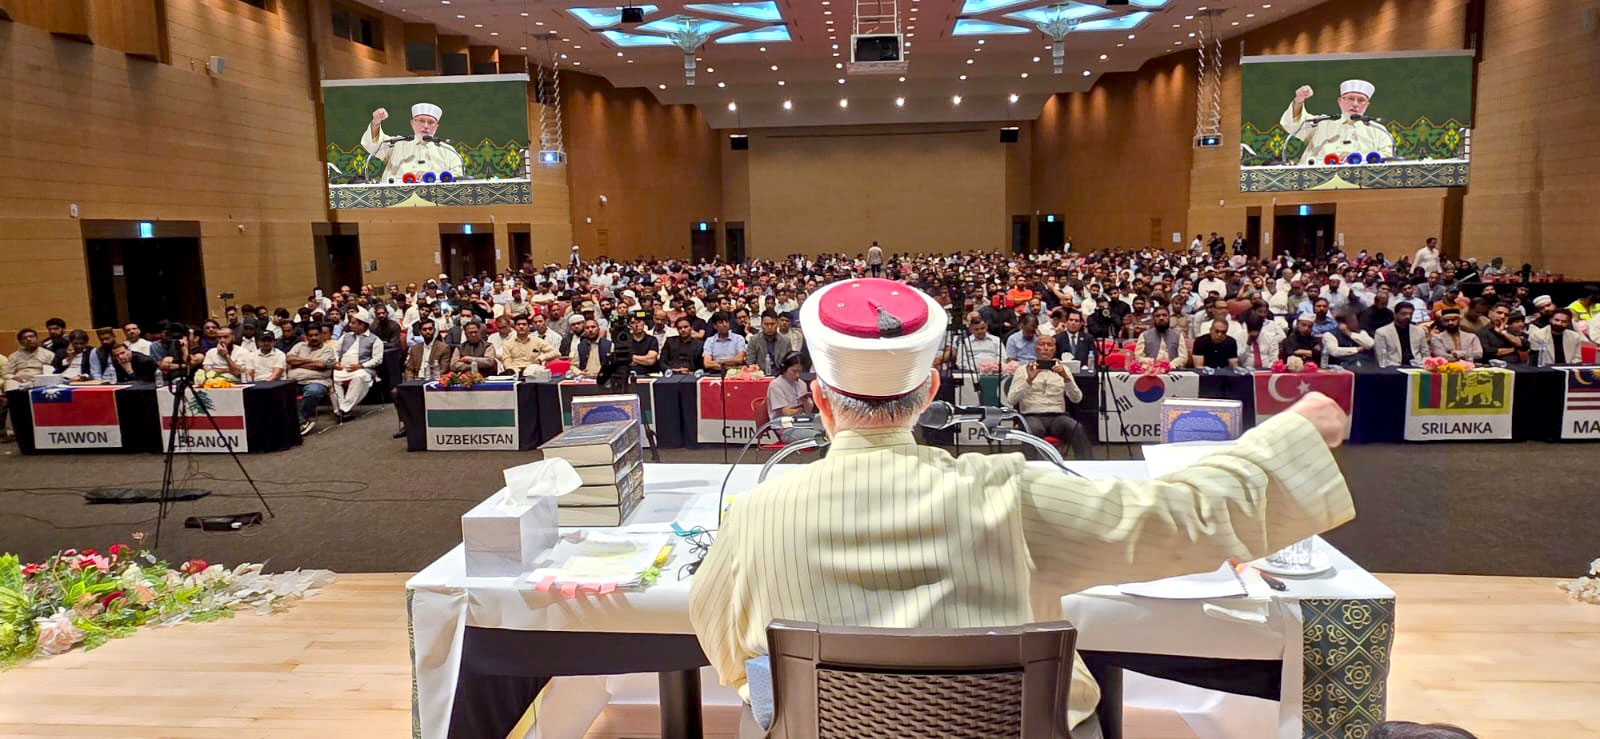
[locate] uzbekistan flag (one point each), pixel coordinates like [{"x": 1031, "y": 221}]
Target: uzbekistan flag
[
  {"x": 483, "y": 416},
  {"x": 75, "y": 417}
]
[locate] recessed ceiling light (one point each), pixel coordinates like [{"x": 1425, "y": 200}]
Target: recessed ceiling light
[
  {"x": 1024, "y": 75},
  {"x": 1202, "y": 8},
  {"x": 1268, "y": 5},
  {"x": 563, "y": 56},
  {"x": 1175, "y": 25},
  {"x": 662, "y": 86},
  {"x": 963, "y": 78},
  {"x": 732, "y": 106},
  {"x": 1249, "y": 15},
  {"x": 1120, "y": 44},
  {"x": 838, "y": 65},
  {"x": 564, "y": 40},
  {"x": 524, "y": 48},
  {"x": 827, "y": 12},
  {"x": 835, "y": 53},
  {"x": 980, "y": 42},
  {"x": 524, "y": 15},
  {"x": 1102, "y": 57},
  {"x": 763, "y": 49},
  {"x": 619, "y": 53},
  {"x": 899, "y": 102},
  {"x": 1013, "y": 97},
  {"x": 780, "y": 83},
  {"x": 709, "y": 70},
  {"x": 955, "y": 99},
  {"x": 458, "y": 15},
  {"x": 1086, "y": 73},
  {"x": 577, "y": 46},
  {"x": 969, "y": 61},
  {"x": 1191, "y": 34},
  {"x": 835, "y": 46},
  {"x": 722, "y": 84},
  {"x": 1236, "y": 23},
  {"x": 841, "y": 80},
  {"x": 788, "y": 105},
  {"x": 844, "y": 102},
  {"x": 630, "y": 61},
  {"x": 774, "y": 67},
  {"x": 902, "y": 79},
  {"x": 1130, "y": 37},
  {"x": 538, "y": 23},
  {"x": 1036, "y": 59},
  {"x": 1188, "y": 17},
  {"x": 477, "y": 25},
  {"x": 911, "y": 35},
  {"x": 577, "y": 64}
]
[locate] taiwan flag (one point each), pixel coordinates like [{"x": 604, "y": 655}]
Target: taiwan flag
[
  {"x": 1275, "y": 392},
  {"x": 75, "y": 417}
]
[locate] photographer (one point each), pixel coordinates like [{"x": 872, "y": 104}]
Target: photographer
[{"x": 1040, "y": 391}]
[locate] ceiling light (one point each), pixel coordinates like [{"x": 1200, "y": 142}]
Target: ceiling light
[
  {"x": 830, "y": 22},
  {"x": 980, "y": 42},
  {"x": 1188, "y": 17},
  {"x": 1130, "y": 37},
  {"x": 1013, "y": 97},
  {"x": 835, "y": 53},
  {"x": 477, "y": 25},
  {"x": 1102, "y": 57},
  {"x": 709, "y": 70},
  {"x": 662, "y": 86},
  {"x": 841, "y": 80},
  {"x": 838, "y": 65},
  {"x": 1024, "y": 75},
  {"x": 494, "y": 33},
  {"x": 564, "y": 40},
  {"x": 524, "y": 48},
  {"x": 902, "y": 79},
  {"x": 1120, "y": 44},
  {"x": 1174, "y": 25},
  {"x": 538, "y": 23},
  {"x": 963, "y": 78},
  {"x": 563, "y": 56},
  {"x": 788, "y": 105},
  {"x": 780, "y": 83},
  {"x": 732, "y": 106},
  {"x": 1086, "y": 73},
  {"x": 827, "y": 12},
  {"x": 955, "y": 99},
  {"x": 722, "y": 84},
  {"x": 969, "y": 61},
  {"x": 836, "y": 46},
  {"x": 524, "y": 15},
  {"x": 899, "y": 102},
  {"x": 460, "y": 16},
  {"x": 577, "y": 46},
  {"x": 763, "y": 49},
  {"x": 1036, "y": 60},
  {"x": 844, "y": 102},
  {"x": 1249, "y": 15},
  {"x": 630, "y": 61},
  {"x": 1268, "y": 5},
  {"x": 1202, "y": 8},
  {"x": 774, "y": 67},
  {"x": 577, "y": 64},
  {"x": 619, "y": 53},
  {"x": 911, "y": 35},
  {"x": 1236, "y": 23}
]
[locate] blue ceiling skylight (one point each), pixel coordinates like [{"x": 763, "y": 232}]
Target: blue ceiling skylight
[
  {"x": 765, "y": 12},
  {"x": 1042, "y": 14},
  {"x": 603, "y": 17},
  {"x": 974, "y": 7},
  {"x": 670, "y": 24},
  {"x": 768, "y": 34},
  {"x": 973, "y": 27},
  {"x": 636, "y": 39},
  {"x": 1150, "y": 3}
]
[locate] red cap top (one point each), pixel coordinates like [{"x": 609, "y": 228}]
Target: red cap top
[{"x": 871, "y": 308}]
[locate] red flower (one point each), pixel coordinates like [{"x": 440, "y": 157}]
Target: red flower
[
  {"x": 1311, "y": 367},
  {"x": 31, "y": 569},
  {"x": 193, "y": 567},
  {"x": 106, "y": 601},
  {"x": 68, "y": 552},
  {"x": 118, "y": 549},
  {"x": 89, "y": 552}
]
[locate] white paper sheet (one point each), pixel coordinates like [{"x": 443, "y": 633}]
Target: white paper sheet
[{"x": 1222, "y": 582}]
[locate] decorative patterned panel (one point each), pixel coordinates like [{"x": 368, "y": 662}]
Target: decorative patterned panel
[
  {"x": 1346, "y": 647},
  {"x": 492, "y": 192}
]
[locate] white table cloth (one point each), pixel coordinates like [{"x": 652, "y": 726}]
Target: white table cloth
[{"x": 442, "y": 601}]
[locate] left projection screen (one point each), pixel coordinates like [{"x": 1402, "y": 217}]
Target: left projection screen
[{"x": 426, "y": 141}]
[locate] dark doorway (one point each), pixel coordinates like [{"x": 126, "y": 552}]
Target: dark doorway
[
  {"x": 1019, "y": 233},
  {"x": 465, "y": 253},
  {"x": 521, "y": 249},
  {"x": 1302, "y": 236},
  {"x": 145, "y": 280},
  {"x": 702, "y": 242},
  {"x": 1252, "y": 235},
  {"x": 734, "y": 242},
  {"x": 1052, "y": 232},
  {"x": 338, "y": 261}
]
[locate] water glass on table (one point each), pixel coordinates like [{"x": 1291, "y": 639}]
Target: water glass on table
[{"x": 1296, "y": 556}]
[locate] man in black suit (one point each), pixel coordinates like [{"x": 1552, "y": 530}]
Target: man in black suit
[
  {"x": 1072, "y": 341},
  {"x": 130, "y": 366}
]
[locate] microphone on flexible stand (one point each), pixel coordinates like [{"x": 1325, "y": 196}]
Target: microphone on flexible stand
[{"x": 941, "y": 415}]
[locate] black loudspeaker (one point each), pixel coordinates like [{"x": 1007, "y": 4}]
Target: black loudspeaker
[
  {"x": 1114, "y": 3},
  {"x": 1010, "y": 135},
  {"x": 738, "y": 142},
  {"x": 633, "y": 15}
]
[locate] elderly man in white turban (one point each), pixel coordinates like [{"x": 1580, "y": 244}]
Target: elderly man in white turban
[
  {"x": 1349, "y": 132},
  {"x": 417, "y": 155},
  {"x": 354, "y": 371},
  {"x": 887, "y": 532}
]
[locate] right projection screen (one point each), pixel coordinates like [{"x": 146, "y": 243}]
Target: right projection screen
[{"x": 1355, "y": 121}]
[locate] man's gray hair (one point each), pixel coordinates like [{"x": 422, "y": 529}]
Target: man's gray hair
[{"x": 901, "y": 410}]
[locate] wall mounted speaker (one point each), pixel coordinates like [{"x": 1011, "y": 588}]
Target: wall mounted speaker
[{"x": 1010, "y": 135}]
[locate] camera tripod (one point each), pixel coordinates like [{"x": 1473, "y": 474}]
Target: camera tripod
[{"x": 185, "y": 399}]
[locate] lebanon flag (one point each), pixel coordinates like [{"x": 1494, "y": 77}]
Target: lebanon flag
[
  {"x": 75, "y": 417},
  {"x": 1275, "y": 392},
  {"x": 731, "y": 410}
]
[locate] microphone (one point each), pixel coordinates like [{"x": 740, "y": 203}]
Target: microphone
[
  {"x": 942, "y": 415},
  {"x": 395, "y": 140},
  {"x": 1322, "y": 118},
  {"x": 1368, "y": 119},
  {"x": 439, "y": 140}
]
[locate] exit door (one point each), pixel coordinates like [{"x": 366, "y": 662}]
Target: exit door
[
  {"x": 145, "y": 281},
  {"x": 465, "y": 255},
  {"x": 1052, "y": 232},
  {"x": 1302, "y": 237},
  {"x": 702, "y": 242},
  {"x": 1019, "y": 234},
  {"x": 338, "y": 261},
  {"x": 734, "y": 241}
]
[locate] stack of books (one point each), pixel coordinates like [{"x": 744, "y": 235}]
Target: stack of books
[{"x": 610, "y": 462}]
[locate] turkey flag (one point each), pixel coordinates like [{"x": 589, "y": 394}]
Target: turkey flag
[{"x": 1275, "y": 392}]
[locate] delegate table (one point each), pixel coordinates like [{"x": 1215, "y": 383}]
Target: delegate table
[
  {"x": 410, "y": 404},
  {"x": 543, "y": 408},
  {"x": 269, "y": 410},
  {"x": 482, "y": 647}
]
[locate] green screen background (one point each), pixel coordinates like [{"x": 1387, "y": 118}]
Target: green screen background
[
  {"x": 489, "y": 118},
  {"x": 1427, "y": 100}
]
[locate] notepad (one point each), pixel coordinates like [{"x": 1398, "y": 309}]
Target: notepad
[{"x": 1222, "y": 582}]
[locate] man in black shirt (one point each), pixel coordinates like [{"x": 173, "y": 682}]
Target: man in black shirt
[
  {"x": 1378, "y": 315},
  {"x": 1499, "y": 342},
  {"x": 1216, "y": 349},
  {"x": 384, "y": 327},
  {"x": 681, "y": 354},
  {"x": 128, "y": 366},
  {"x": 646, "y": 350}
]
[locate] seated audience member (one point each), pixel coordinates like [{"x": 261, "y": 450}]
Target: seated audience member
[
  {"x": 56, "y": 339},
  {"x": 646, "y": 349},
  {"x": 475, "y": 353},
  {"x": 1587, "y": 307},
  {"x": 681, "y": 353},
  {"x": 1019, "y": 346},
  {"x": 266, "y": 362},
  {"x": 1476, "y": 316},
  {"x": 72, "y": 360},
  {"x": 130, "y": 366},
  {"x": 1262, "y": 347},
  {"x": 1499, "y": 339},
  {"x": 1216, "y": 349},
  {"x": 786, "y": 327},
  {"x": 208, "y": 335},
  {"x": 975, "y": 349},
  {"x": 310, "y": 363},
  {"x": 1040, "y": 391},
  {"x": 1160, "y": 343},
  {"x": 543, "y": 329},
  {"x": 767, "y": 348},
  {"x": 1450, "y": 342},
  {"x": 100, "y": 358},
  {"x": 588, "y": 350},
  {"x": 1321, "y": 320},
  {"x": 1379, "y": 313},
  {"x": 723, "y": 349},
  {"x": 1413, "y": 730},
  {"x": 1072, "y": 341},
  {"x": 1544, "y": 307},
  {"x": 787, "y": 395},
  {"x": 135, "y": 339},
  {"x": 354, "y": 373},
  {"x": 431, "y": 357},
  {"x": 1302, "y": 342},
  {"x": 1217, "y": 309},
  {"x": 1348, "y": 345},
  {"x": 1402, "y": 341},
  {"x": 525, "y": 351},
  {"x": 385, "y": 328},
  {"x": 1557, "y": 343},
  {"x": 458, "y": 326},
  {"x": 500, "y": 330},
  {"x": 225, "y": 356}
]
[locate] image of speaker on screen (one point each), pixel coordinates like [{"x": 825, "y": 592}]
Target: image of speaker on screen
[
  {"x": 422, "y": 157},
  {"x": 1334, "y": 138}
]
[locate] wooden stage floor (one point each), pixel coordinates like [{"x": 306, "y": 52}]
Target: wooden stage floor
[{"x": 1504, "y": 657}]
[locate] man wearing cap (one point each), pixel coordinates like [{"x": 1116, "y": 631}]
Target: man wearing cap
[
  {"x": 1544, "y": 308},
  {"x": 886, "y": 532},
  {"x": 1450, "y": 342},
  {"x": 414, "y": 155},
  {"x": 359, "y": 355},
  {"x": 1340, "y": 135}
]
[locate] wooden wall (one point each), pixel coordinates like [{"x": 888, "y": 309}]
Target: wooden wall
[
  {"x": 1114, "y": 161},
  {"x": 659, "y": 167}
]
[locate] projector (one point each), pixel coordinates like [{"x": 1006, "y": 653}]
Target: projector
[
  {"x": 877, "y": 53},
  {"x": 1208, "y": 141},
  {"x": 550, "y": 156},
  {"x": 632, "y": 15}
]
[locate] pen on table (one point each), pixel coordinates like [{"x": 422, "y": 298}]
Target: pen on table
[{"x": 1272, "y": 582}]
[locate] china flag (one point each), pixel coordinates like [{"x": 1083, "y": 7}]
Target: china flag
[
  {"x": 733, "y": 400},
  {"x": 1275, "y": 392}
]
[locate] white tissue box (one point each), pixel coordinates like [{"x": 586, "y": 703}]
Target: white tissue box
[{"x": 506, "y": 540}]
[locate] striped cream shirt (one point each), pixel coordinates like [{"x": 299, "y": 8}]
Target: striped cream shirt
[{"x": 886, "y": 532}]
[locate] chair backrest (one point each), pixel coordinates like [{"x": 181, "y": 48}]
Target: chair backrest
[{"x": 839, "y": 681}]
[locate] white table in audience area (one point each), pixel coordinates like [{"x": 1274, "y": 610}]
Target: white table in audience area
[{"x": 1267, "y": 626}]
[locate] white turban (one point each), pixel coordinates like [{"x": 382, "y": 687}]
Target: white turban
[
  {"x": 1362, "y": 86},
  {"x": 437, "y": 113}
]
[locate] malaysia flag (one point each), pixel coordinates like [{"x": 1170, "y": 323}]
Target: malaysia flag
[{"x": 67, "y": 417}]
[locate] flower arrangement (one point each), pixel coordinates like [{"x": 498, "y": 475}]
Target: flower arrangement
[
  {"x": 747, "y": 372},
  {"x": 988, "y": 366},
  {"x": 83, "y": 597},
  {"x": 1141, "y": 367},
  {"x": 459, "y": 380},
  {"x": 208, "y": 380},
  {"x": 1293, "y": 364},
  {"x": 1586, "y": 588},
  {"x": 1010, "y": 367},
  {"x": 1442, "y": 366}
]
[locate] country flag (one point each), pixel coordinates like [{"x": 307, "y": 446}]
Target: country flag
[
  {"x": 1276, "y": 392},
  {"x": 1583, "y": 389},
  {"x": 731, "y": 410},
  {"x": 483, "y": 416},
  {"x": 75, "y": 417},
  {"x": 1149, "y": 389},
  {"x": 211, "y": 420},
  {"x": 1478, "y": 391}
]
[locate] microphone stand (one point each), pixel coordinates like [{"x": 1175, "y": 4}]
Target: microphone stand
[
  {"x": 1283, "y": 151},
  {"x": 387, "y": 143}
]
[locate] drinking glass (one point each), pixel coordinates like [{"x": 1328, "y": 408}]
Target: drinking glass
[{"x": 1296, "y": 556}]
